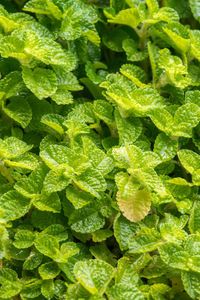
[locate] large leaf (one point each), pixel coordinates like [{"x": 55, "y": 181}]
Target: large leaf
[
  {"x": 122, "y": 292},
  {"x": 13, "y": 147},
  {"x": 123, "y": 230},
  {"x": 42, "y": 82},
  {"x": 10, "y": 284},
  {"x": 133, "y": 202},
  {"x": 191, "y": 283},
  {"x": 86, "y": 220},
  {"x": 46, "y": 8},
  {"x": 195, "y": 7},
  {"x": 94, "y": 275},
  {"x": 19, "y": 110},
  {"x": 14, "y": 205}
]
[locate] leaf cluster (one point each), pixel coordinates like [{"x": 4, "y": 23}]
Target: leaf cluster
[{"x": 99, "y": 149}]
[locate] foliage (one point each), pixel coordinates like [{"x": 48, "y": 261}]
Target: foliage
[{"x": 99, "y": 149}]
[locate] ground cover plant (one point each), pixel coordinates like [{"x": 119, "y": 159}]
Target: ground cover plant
[{"x": 99, "y": 149}]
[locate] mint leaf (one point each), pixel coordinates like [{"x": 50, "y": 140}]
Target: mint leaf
[
  {"x": 86, "y": 220},
  {"x": 120, "y": 292},
  {"x": 14, "y": 205},
  {"x": 41, "y": 82},
  {"x": 97, "y": 277},
  {"x": 133, "y": 202}
]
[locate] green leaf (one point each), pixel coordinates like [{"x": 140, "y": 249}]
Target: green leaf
[
  {"x": 78, "y": 197},
  {"x": 191, "y": 283},
  {"x": 78, "y": 19},
  {"x": 175, "y": 70},
  {"x": 101, "y": 235},
  {"x": 54, "y": 121},
  {"x": 194, "y": 221},
  {"x": 55, "y": 181},
  {"x": 14, "y": 205},
  {"x": 33, "y": 260},
  {"x": 12, "y": 147},
  {"x": 166, "y": 14},
  {"x": 47, "y": 202},
  {"x": 134, "y": 203},
  {"x": 10, "y": 284},
  {"x": 165, "y": 146},
  {"x": 189, "y": 160},
  {"x": 128, "y": 156},
  {"x": 174, "y": 256},
  {"x": 130, "y": 46},
  {"x": 49, "y": 270},
  {"x": 123, "y": 230},
  {"x": 19, "y": 110},
  {"x": 67, "y": 250},
  {"x": 24, "y": 239},
  {"x": 47, "y": 245},
  {"x": 100, "y": 161},
  {"x": 12, "y": 46},
  {"x": 127, "y": 271},
  {"x": 195, "y": 43},
  {"x": 86, "y": 220},
  {"x": 195, "y": 7},
  {"x": 62, "y": 96},
  {"x": 46, "y": 8},
  {"x": 146, "y": 240},
  {"x": 91, "y": 181},
  {"x": 94, "y": 275},
  {"x": 32, "y": 186},
  {"x": 41, "y": 47},
  {"x": 75, "y": 127},
  {"x": 104, "y": 111},
  {"x": 27, "y": 161},
  {"x": 129, "y": 129},
  {"x": 75, "y": 291},
  {"x": 11, "y": 85},
  {"x": 134, "y": 73},
  {"x": 122, "y": 291},
  {"x": 67, "y": 79},
  {"x": 186, "y": 117},
  {"x": 6, "y": 21},
  {"x": 58, "y": 231},
  {"x": 153, "y": 6},
  {"x": 41, "y": 82},
  {"x": 31, "y": 288},
  {"x": 129, "y": 17},
  {"x": 179, "y": 36},
  {"x": 47, "y": 289},
  {"x": 140, "y": 101},
  {"x": 55, "y": 155}
]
